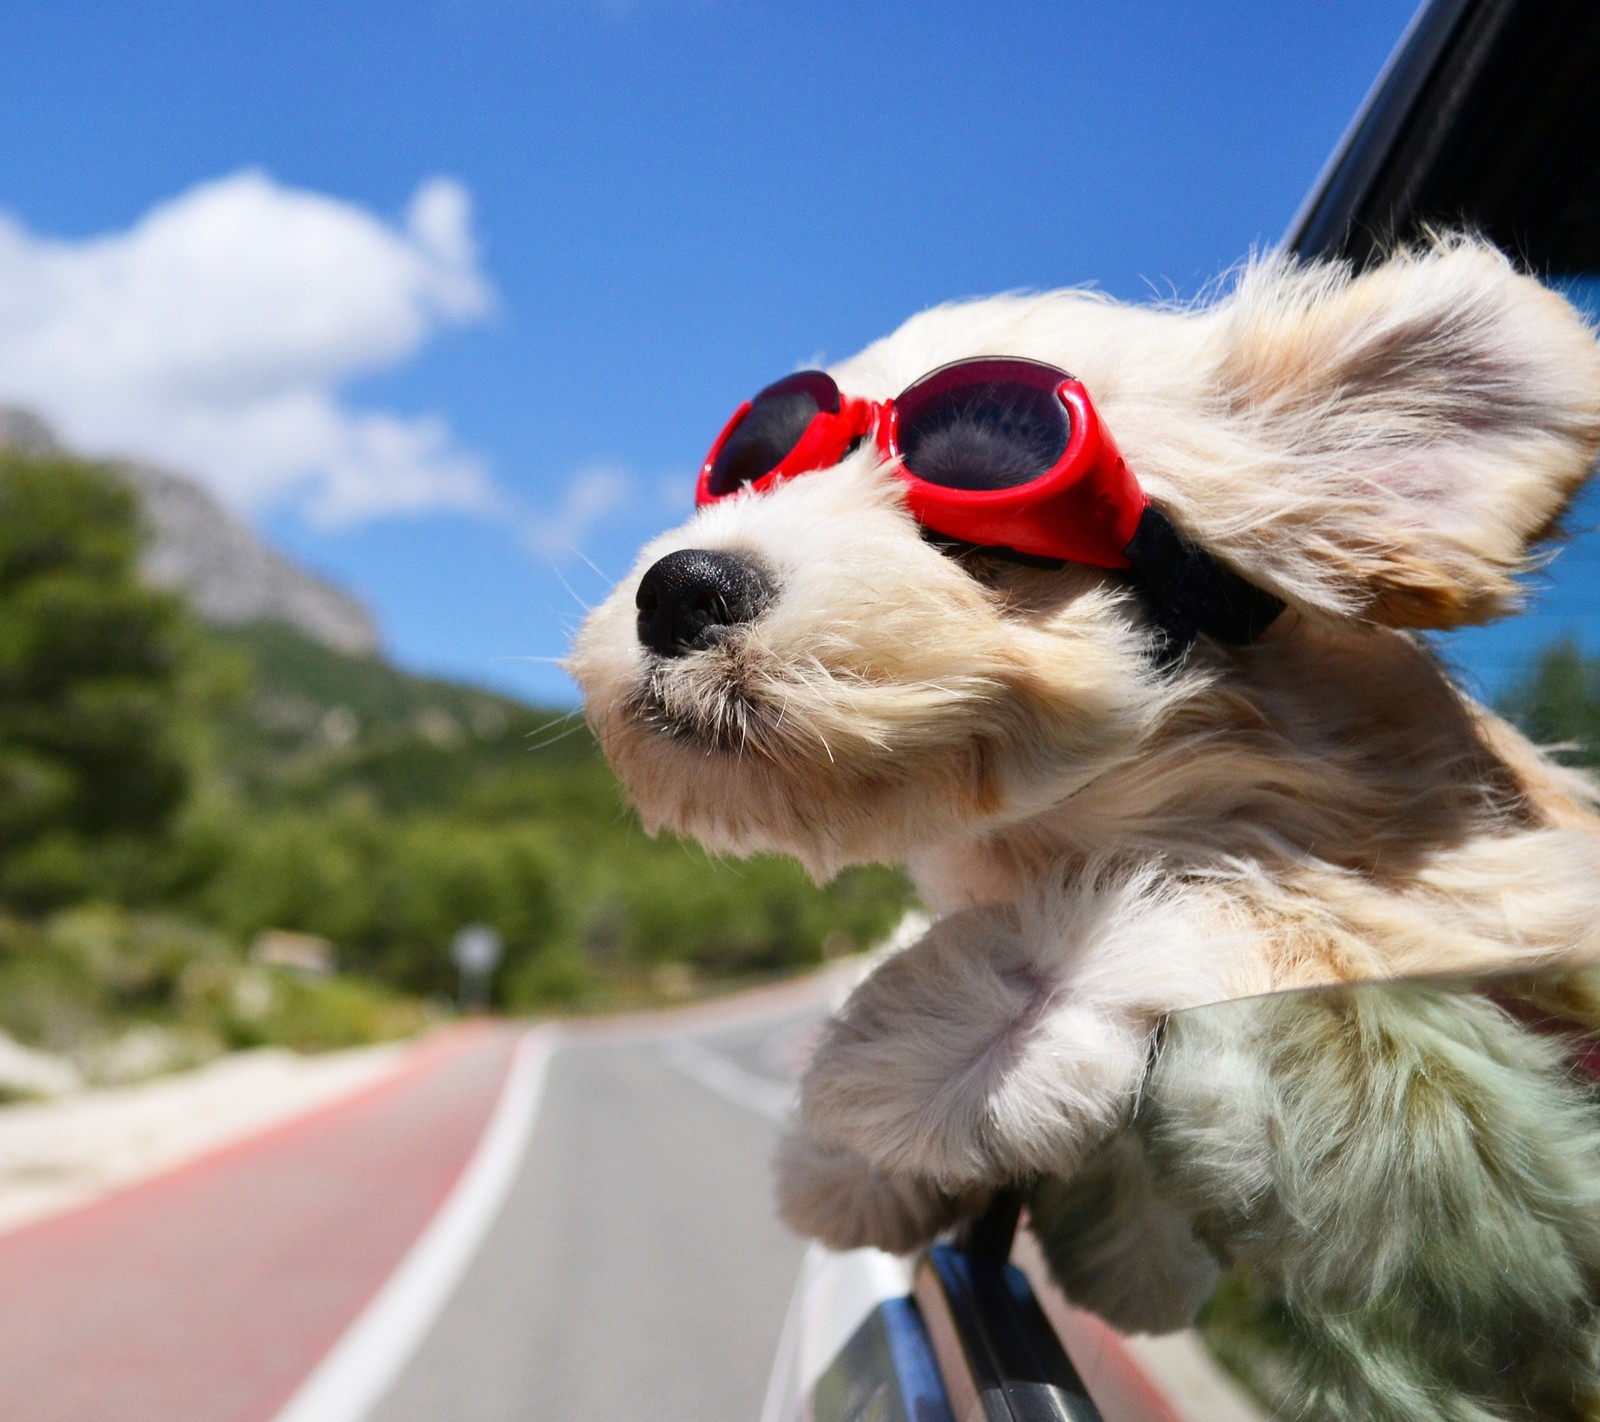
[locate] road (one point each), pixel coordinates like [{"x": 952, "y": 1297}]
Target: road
[
  {"x": 625, "y": 1262},
  {"x": 637, "y": 1270}
]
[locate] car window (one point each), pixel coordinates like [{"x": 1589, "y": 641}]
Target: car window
[{"x": 1402, "y": 1184}]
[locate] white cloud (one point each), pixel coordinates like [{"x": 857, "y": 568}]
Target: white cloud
[
  {"x": 676, "y": 492},
  {"x": 215, "y": 334},
  {"x": 593, "y": 494}
]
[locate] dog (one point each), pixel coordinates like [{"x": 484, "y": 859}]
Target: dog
[{"x": 1111, "y": 821}]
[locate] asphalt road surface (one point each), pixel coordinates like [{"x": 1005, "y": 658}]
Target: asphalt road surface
[
  {"x": 636, "y": 1270},
  {"x": 207, "y": 1293},
  {"x": 570, "y": 1225}
]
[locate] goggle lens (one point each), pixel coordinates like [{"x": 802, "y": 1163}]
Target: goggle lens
[
  {"x": 775, "y": 423},
  {"x": 983, "y": 424}
]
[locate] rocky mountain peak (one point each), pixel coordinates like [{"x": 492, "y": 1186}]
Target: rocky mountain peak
[{"x": 200, "y": 549}]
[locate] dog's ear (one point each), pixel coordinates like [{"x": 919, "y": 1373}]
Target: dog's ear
[{"x": 1397, "y": 440}]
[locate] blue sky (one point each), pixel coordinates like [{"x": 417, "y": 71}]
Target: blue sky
[{"x": 556, "y": 244}]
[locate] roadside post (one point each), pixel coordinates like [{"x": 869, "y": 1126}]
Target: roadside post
[{"x": 476, "y": 950}]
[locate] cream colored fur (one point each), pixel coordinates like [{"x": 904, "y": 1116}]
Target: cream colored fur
[{"x": 1103, "y": 842}]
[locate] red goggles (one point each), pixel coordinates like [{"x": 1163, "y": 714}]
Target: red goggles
[{"x": 998, "y": 452}]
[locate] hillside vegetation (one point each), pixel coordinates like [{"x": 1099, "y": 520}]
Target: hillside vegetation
[
  {"x": 386, "y": 810},
  {"x": 169, "y": 791}
]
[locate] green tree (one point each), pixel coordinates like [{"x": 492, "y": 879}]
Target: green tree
[
  {"x": 95, "y": 748},
  {"x": 1557, "y": 702}
]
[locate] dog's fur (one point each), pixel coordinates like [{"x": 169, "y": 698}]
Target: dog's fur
[{"x": 1104, "y": 840}]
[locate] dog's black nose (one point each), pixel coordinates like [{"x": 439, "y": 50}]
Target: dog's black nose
[{"x": 692, "y": 597}]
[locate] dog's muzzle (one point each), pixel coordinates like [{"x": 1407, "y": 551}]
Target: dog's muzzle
[{"x": 692, "y": 598}]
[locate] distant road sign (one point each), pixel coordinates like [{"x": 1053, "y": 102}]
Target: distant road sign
[{"x": 477, "y": 949}]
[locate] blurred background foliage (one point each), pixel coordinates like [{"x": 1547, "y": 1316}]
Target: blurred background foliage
[
  {"x": 1557, "y": 702},
  {"x": 169, "y": 791}
]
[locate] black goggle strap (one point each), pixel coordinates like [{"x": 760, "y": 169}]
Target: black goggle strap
[{"x": 1192, "y": 592}]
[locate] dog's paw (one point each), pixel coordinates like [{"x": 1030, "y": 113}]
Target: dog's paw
[
  {"x": 971, "y": 1059},
  {"x": 1118, "y": 1248},
  {"x": 835, "y": 1196}
]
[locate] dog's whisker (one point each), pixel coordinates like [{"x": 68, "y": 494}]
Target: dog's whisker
[
  {"x": 593, "y": 566},
  {"x": 562, "y": 735},
  {"x": 571, "y": 591}
]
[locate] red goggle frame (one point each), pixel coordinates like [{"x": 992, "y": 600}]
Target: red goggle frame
[{"x": 998, "y": 451}]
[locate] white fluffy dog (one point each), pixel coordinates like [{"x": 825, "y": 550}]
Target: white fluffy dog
[{"x": 1103, "y": 835}]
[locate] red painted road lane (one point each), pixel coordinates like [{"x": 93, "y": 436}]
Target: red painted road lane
[{"x": 208, "y": 1294}]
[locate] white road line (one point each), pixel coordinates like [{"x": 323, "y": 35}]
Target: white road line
[
  {"x": 363, "y": 1364},
  {"x": 728, "y": 1079}
]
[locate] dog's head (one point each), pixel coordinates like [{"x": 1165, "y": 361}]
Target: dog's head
[{"x": 1377, "y": 451}]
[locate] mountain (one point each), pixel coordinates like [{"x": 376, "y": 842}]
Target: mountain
[
  {"x": 229, "y": 576},
  {"x": 318, "y": 724}
]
